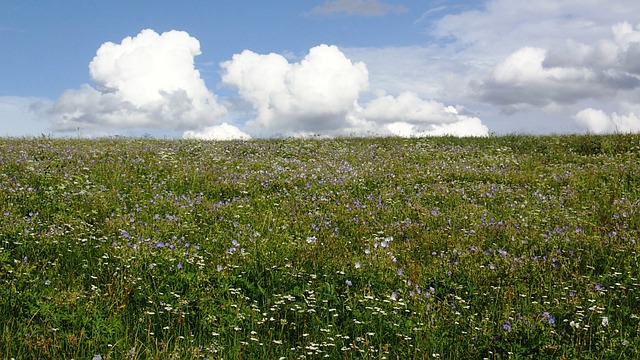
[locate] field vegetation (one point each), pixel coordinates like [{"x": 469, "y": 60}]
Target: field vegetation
[{"x": 501, "y": 247}]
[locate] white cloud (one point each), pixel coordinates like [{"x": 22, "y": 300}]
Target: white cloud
[
  {"x": 409, "y": 115},
  {"x": 321, "y": 95},
  {"x": 537, "y": 78},
  {"x": 598, "y": 122},
  {"x": 145, "y": 81},
  {"x": 464, "y": 46},
  {"x": 358, "y": 7},
  {"x": 314, "y": 95},
  {"x": 223, "y": 131},
  {"x": 500, "y": 27}
]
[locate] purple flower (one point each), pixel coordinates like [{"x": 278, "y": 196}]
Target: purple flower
[
  {"x": 548, "y": 318},
  {"x": 492, "y": 266},
  {"x": 348, "y": 282},
  {"x": 599, "y": 287},
  {"x": 125, "y": 233},
  {"x": 506, "y": 326},
  {"x": 394, "y": 296}
]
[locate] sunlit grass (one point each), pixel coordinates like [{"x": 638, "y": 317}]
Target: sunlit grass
[{"x": 514, "y": 246}]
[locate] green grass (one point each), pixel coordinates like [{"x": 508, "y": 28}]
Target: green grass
[{"x": 503, "y": 247}]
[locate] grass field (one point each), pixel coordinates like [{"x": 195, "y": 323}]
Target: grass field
[{"x": 501, "y": 247}]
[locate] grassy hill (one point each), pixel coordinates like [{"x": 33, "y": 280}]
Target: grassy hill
[{"x": 500, "y": 247}]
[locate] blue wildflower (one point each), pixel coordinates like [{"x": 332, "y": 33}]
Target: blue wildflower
[
  {"x": 599, "y": 287},
  {"x": 506, "y": 326}
]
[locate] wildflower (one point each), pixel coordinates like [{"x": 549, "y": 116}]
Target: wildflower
[
  {"x": 599, "y": 287},
  {"x": 97, "y": 357},
  {"x": 506, "y": 326},
  {"x": 180, "y": 265},
  {"x": 357, "y": 265},
  {"x": 400, "y": 272},
  {"x": 572, "y": 293},
  {"x": 311, "y": 240},
  {"x": 47, "y": 282},
  {"x": 394, "y": 296},
  {"x": 126, "y": 235},
  {"x": 548, "y": 318},
  {"x": 575, "y": 325},
  {"x": 219, "y": 267},
  {"x": 605, "y": 321},
  {"x": 348, "y": 282},
  {"x": 492, "y": 266}
]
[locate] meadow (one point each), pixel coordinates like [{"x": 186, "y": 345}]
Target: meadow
[{"x": 506, "y": 247}]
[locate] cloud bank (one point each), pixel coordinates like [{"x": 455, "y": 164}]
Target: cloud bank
[
  {"x": 321, "y": 94},
  {"x": 148, "y": 81},
  {"x": 536, "y": 77},
  {"x": 526, "y": 67},
  {"x": 598, "y": 122}
]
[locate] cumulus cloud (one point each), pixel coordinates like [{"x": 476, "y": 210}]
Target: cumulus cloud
[
  {"x": 408, "y": 115},
  {"x": 358, "y": 7},
  {"x": 223, "y": 131},
  {"x": 149, "y": 82},
  {"x": 314, "y": 95},
  {"x": 598, "y": 122},
  {"x": 536, "y": 78},
  {"x": 146, "y": 81},
  {"x": 322, "y": 94}
]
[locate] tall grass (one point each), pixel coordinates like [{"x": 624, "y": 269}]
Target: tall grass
[{"x": 504, "y": 247}]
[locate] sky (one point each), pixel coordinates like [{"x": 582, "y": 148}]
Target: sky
[{"x": 246, "y": 69}]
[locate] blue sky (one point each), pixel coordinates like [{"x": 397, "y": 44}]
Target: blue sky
[{"x": 239, "y": 69}]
